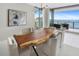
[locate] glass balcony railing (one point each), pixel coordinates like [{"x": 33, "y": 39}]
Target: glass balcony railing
[{"x": 74, "y": 24}]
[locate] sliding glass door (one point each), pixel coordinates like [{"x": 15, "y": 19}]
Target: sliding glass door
[
  {"x": 70, "y": 17},
  {"x": 51, "y": 17},
  {"x": 38, "y": 18}
]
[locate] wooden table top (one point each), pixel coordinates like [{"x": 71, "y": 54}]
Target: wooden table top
[{"x": 34, "y": 38}]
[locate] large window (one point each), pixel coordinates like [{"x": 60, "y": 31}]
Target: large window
[
  {"x": 38, "y": 18},
  {"x": 70, "y": 17},
  {"x": 51, "y": 17}
]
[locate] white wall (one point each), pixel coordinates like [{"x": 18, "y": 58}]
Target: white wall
[{"x": 6, "y": 31}]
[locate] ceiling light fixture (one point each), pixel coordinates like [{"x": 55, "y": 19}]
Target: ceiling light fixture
[{"x": 44, "y": 5}]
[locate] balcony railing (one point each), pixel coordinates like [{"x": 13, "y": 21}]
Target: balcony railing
[{"x": 74, "y": 24}]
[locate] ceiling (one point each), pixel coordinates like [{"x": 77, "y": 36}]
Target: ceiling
[{"x": 52, "y": 5}]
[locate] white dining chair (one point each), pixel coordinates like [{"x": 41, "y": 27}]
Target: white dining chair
[{"x": 15, "y": 50}]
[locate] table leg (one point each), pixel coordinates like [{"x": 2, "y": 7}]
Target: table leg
[{"x": 35, "y": 50}]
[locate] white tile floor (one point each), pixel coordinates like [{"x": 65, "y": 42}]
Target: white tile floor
[{"x": 69, "y": 51}]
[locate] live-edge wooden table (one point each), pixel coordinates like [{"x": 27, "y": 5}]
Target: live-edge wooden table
[{"x": 34, "y": 38}]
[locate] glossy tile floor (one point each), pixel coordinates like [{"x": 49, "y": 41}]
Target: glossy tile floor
[{"x": 69, "y": 51}]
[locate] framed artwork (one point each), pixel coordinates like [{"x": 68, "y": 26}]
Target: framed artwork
[{"x": 16, "y": 18}]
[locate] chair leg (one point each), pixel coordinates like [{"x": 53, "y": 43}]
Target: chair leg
[{"x": 35, "y": 50}]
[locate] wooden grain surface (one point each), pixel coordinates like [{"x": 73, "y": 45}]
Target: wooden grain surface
[{"x": 34, "y": 38}]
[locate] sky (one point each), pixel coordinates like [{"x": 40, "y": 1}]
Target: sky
[{"x": 67, "y": 15}]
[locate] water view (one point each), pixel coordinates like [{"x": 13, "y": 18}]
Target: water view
[
  {"x": 72, "y": 23},
  {"x": 70, "y": 17}
]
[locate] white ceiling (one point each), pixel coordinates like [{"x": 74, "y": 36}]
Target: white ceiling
[{"x": 52, "y": 5}]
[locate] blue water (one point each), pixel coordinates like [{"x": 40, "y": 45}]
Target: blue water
[{"x": 72, "y": 23}]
